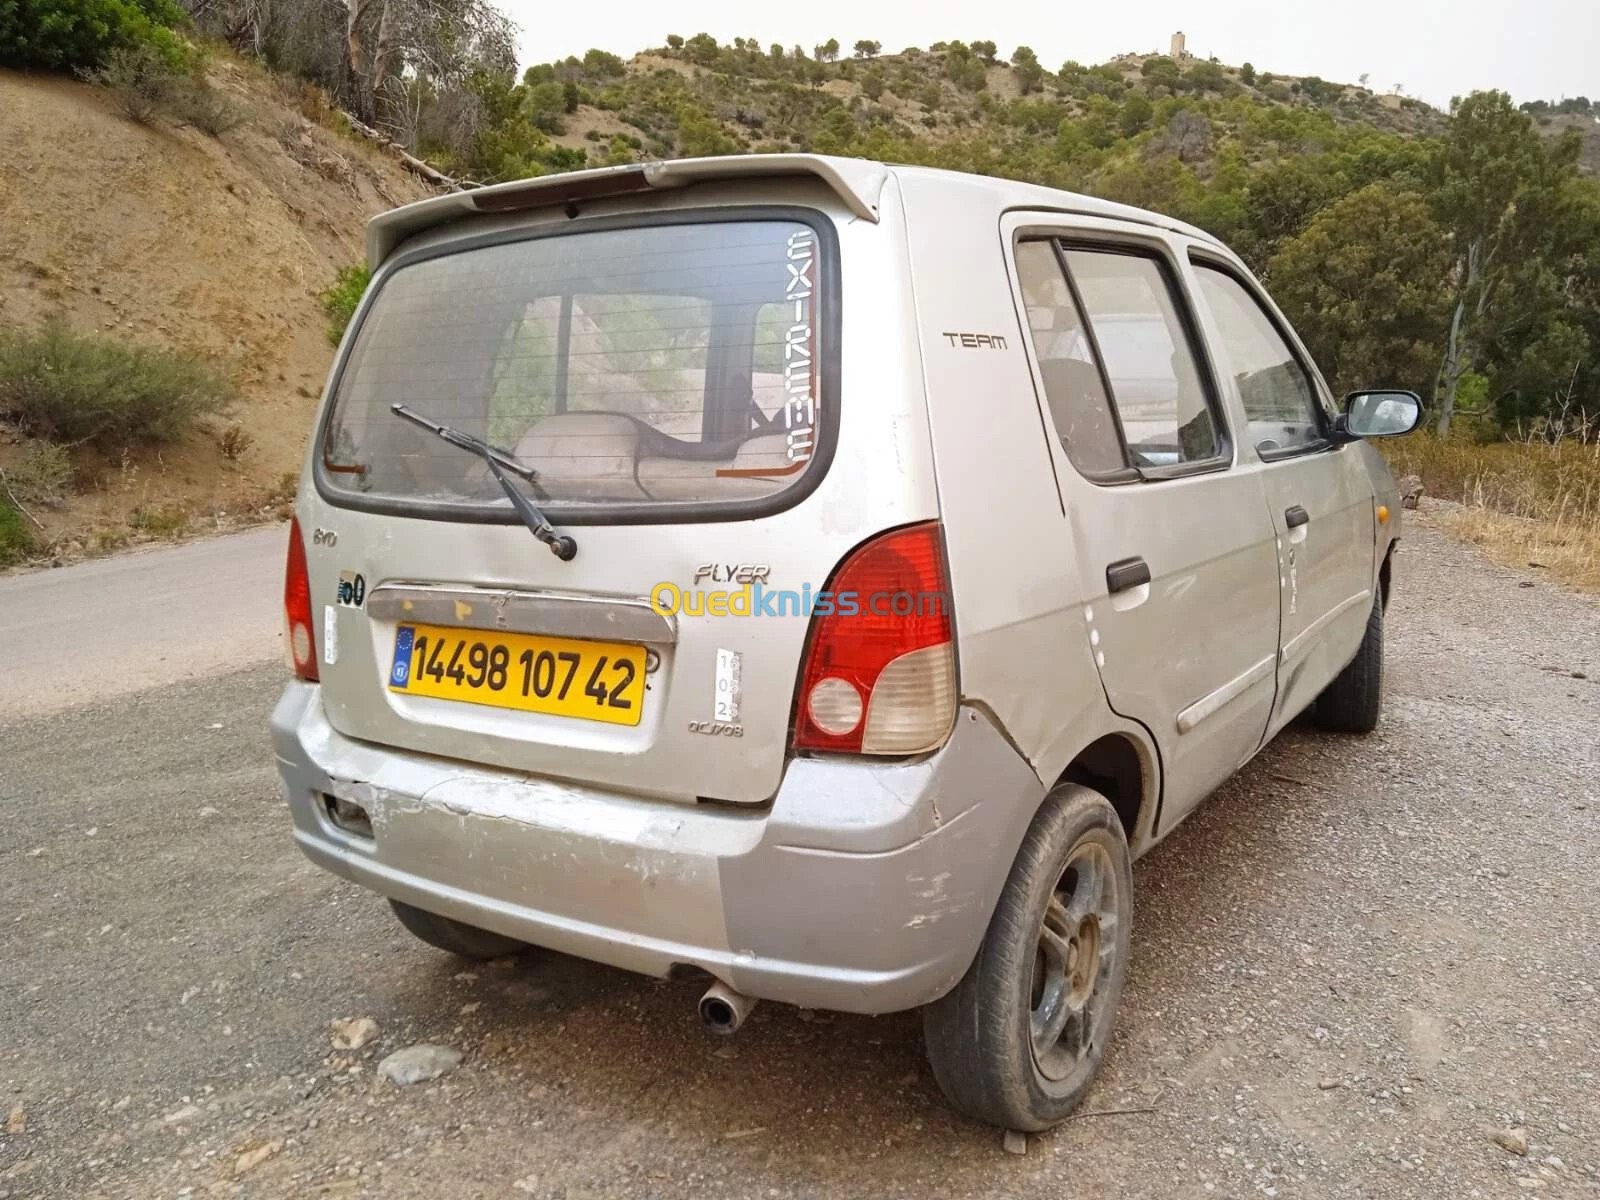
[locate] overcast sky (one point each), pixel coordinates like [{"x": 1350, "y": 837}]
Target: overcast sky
[{"x": 1536, "y": 49}]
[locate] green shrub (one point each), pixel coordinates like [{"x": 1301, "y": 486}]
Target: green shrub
[
  {"x": 340, "y": 301},
  {"x": 68, "y": 34},
  {"x": 140, "y": 80},
  {"x": 74, "y": 388},
  {"x": 144, "y": 84},
  {"x": 16, "y": 539},
  {"x": 160, "y": 520},
  {"x": 195, "y": 102}
]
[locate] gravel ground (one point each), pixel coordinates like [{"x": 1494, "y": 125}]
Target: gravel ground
[{"x": 1353, "y": 967}]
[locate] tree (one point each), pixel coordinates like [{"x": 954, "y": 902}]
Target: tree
[
  {"x": 675, "y": 41},
  {"x": 438, "y": 41},
  {"x": 1025, "y": 65},
  {"x": 1135, "y": 115},
  {"x": 546, "y": 103},
  {"x": 1280, "y": 200},
  {"x": 1496, "y": 186},
  {"x": 1366, "y": 286},
  {"x": 1247, "y": 73},
  {"x": 985, "y": 51},
  {"x": 866, "y": 49},
  {"x": 700, "y": 136},
  {"x": 1158, "y": 68},
  {"x": 1206, "y": 77},
  {"x": 598, "y": 62},
  {"x": 827, "y": 51},
  {"x": 701, "y": 48},
  {"x": 964, "y": 68},
  {"x": 1538, "y": 350},
  {"x": 873, "y": 82}
]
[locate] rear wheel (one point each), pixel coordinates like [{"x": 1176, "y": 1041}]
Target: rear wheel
[
  {"x": 455, "y": 937},
  {"x": 1353, "y": 702},
  {"x": 1018, "y": 1041}
]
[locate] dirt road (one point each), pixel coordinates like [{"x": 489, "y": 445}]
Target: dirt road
[
  {"x": 112, "y": 626},
  {"x": 1354, "y": 966}
]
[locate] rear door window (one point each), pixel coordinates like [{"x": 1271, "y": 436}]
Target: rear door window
[
  {"x": 1166, "y": 416},
  {"x": 631, "y": 368}
]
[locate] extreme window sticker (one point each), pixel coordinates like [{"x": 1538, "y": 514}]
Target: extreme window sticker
[{"x": 800, "y": 411}]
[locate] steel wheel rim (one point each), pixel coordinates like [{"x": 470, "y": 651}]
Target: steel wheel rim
[{"x": 1073, "y": 962}]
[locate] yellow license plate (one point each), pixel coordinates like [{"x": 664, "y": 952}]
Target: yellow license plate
[{"x": 593, "y": 681}]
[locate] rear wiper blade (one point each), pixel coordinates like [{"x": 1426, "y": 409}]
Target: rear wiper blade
[{"x": 499, "y": 462}]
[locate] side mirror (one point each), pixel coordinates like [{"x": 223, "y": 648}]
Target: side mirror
[{"x": 1383, "y": 413}]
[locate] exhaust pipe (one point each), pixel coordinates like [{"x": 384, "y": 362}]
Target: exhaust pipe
[{"x": 723, "y": 1010}]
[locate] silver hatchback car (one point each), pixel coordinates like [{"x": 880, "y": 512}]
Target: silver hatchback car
[{"x": 822, "y": 575}]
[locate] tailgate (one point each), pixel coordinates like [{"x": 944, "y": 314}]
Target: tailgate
[{"x": 671, "y": 384}]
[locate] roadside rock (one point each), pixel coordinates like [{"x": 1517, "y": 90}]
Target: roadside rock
[
  {"x": 1410, "y": 491},
  {"x": 418, "y": 1064},
  {"x": 352, "y": 1033},
  {"x": 17, "y": 1120},
  {"x": 1016, "y": 1142},
  {"x": 1513, "y": 1141},
  {"x": 254, "y": 1157}
]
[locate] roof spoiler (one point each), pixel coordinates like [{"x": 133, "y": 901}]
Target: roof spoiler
[{"x": 857, "y": 183}]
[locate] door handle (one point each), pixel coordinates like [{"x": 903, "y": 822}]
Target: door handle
[
  {"x": 1295, "y": 516},
  {"x": 1127, "y": 573}
]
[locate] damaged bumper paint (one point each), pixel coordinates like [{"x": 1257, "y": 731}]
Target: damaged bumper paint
[{"x": 863, "y": 887}]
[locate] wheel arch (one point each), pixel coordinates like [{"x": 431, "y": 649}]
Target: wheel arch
[{"x": 1123, "y": 766}]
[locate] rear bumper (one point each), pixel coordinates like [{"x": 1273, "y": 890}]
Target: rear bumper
[{"x": 863, "y": 887}]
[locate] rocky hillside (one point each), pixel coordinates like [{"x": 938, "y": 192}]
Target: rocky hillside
[
  {"x": 158, "y": 234},
  {"x": 950, "y": 93}
]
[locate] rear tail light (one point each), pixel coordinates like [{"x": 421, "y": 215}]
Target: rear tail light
[
  {"x": 297, "y": 608},
  {"x": 880, "y": 670}
]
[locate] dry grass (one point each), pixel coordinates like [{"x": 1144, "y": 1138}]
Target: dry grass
[{"x": 1525, "y": 503}]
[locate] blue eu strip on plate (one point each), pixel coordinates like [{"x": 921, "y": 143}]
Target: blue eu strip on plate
[{"x": 400, "y": 674}]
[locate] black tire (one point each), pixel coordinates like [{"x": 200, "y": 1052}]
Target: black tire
[
  {"x": 983, "y": 1038},
  {"x": 1353, "y": 702},
  {"x": 454, "y": 937}
]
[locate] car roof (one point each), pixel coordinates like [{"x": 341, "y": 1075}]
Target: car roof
[
  {"x": 1012, "y": 194},
  {"x": 857, "y": 182}
]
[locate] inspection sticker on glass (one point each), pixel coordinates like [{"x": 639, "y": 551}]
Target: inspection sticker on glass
[{"x": 725, "y": 705}]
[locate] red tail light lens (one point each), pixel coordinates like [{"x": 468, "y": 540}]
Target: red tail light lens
[
  {"x": 880, "y": 672},
  {"x": 297, "y": 608}
]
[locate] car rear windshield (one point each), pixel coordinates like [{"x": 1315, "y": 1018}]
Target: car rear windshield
[{"x": 674, "y": 364}]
